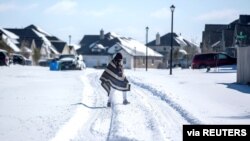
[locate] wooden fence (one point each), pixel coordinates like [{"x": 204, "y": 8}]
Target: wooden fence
[{"x": 243, "y": 65}]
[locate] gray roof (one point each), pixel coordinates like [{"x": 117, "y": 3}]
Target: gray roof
[
  {"x": 28, "y": 35},
  {"x": 165, "y": 40},
  {"x": 215, "y": 27},
  {"x": 59, "y": 45},
  {"x": 244, "y": 19},
  {"x": 87, "y": 40}
]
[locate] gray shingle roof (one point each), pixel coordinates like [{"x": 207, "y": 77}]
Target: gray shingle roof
[
  {"x": 165, "y": 40},
  {"x": 215, "y": 27},
  {"x": 59, "y": 45},
  {"x": 87, "y": 40},
  {"x": 27, "y": 34}
]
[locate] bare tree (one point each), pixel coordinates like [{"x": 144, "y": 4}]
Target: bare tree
[{"x": 36, "y": 55}]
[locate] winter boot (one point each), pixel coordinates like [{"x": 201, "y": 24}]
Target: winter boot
[
  {"x": 108, "y": 104},
  {"x": 125, "y": 102}
]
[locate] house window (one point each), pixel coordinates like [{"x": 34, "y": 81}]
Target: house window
[
  {"x": 116, "y": 48},
  {"x": 143, "y": 61},
  {"x": 153, "y": 61},
  {"x": 124, "y": 61}
]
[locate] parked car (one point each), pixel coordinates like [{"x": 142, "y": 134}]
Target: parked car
[
  {"x": 20, "y": 59},
  {"x": 70, "y": 62},
  {"x": 4, "y": 58},
  {"x": 212, "y": 60},
  {"x": 43, "y": 63}
]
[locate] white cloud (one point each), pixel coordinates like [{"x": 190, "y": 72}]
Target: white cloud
[
  {"x": 100, "y": 12},
  {"x": 70, "y": 7},
  {"x": 161, "y": 13},
  {"x": 6, "y": 7},
  {"x": 219, "y": 15},
  {"x": 67, "y": 7}
]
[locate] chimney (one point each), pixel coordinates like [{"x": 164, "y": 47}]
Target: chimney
[
  {"x": 158, "y": 40},
  {"x": 101, "y": 34}
]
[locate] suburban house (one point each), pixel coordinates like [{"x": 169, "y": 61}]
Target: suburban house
[
  {"x": 98, "y": 50},
  {"x": 8, "y": 41},
  {"x": 183, "y": 50},
  {"x": 212, "y": 36},
  {"x": 226, "y": 37},
  {"x": 33, "y": 41},
  {"x": 61, "y": 46},
  {"x": 29, "y": 35},
  {"x": 232, "y": 38}
]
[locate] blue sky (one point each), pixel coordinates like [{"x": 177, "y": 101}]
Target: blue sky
[{"x": 125, "y": 17}]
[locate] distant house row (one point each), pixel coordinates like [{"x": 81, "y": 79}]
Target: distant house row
[
  {"x": 34, "y": 43},
  {"x": 183, "y": 49},
  {"x": 97, "y": 50},
  {"x": 226, "y": 37}
]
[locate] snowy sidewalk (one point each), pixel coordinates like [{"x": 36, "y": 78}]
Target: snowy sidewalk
[
  {"x": 35, "y": 102},
  {"x": 38, "y": 104}
]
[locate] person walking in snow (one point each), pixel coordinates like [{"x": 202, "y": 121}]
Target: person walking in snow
[{"x": 113, "y": 78}]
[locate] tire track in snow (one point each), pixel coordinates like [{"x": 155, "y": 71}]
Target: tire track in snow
[
  {"x": 141, "y": 105},
  {"x": 82, "y": 125},
  {"x": 70, "y": 129},
  {"x": 99, "y": 91},
  {"x": 184, "y": 113},
  {"x": 169, "y": 122},
  {"x": 97, "y": 127},
  {"x": 105, "y": 115},
  {"x": 142, "y": 109},
  {"x": 152, "y": 122},
  {"x": 134, "y": 121}
]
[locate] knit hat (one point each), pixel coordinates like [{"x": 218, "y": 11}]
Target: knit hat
[{"x": 118, "y": 56}]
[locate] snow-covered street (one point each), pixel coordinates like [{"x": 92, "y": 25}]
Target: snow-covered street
[{"x": 39, "y": 104}]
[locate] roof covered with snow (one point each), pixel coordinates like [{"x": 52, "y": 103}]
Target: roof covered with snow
[
  {"x": 58, "y": 45},
  {"x": 86, "y": 41},
  {"x": 9, "y": 34},
  {"x": 10, "y": 39},
  {"x": 40, "y": 36},
  {"x": 137, "y": 48},
  {"x": 37, "y": 28},
  {"x": 178, "y": 40},
  {"x": 112, "y": 43},
  {"x": 75, "y": 46},
  {"x": 27, "y": 35},
  {"x": 10, "y": 43}
]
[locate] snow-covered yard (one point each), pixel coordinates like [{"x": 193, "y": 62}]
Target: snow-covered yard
[{"x": 39, "y": 104}]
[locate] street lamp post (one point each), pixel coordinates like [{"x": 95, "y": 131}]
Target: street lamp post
[
  {"x": 147, "y": 48},
  {"x": 69, "y": 39},
  {"x": 171, "y": 41}
]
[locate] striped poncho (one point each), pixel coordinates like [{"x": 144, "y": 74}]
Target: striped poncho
[{"x": 113, "y": 77}]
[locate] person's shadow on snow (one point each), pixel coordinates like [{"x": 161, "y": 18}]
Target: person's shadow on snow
[{"x": 89, "y": 106}]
